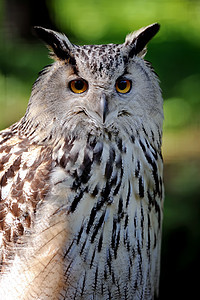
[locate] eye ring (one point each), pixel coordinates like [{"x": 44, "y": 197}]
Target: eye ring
[
  {"x": 78, "y": 86},
  {"x": 123, "y": 85}
]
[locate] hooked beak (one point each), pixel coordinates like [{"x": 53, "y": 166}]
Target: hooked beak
[
  {"x": 100, "y": 109},
  {"x": 103, "y": 108}
]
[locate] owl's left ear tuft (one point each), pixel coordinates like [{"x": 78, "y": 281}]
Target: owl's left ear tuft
[
  {"x": 57, "y": 42},
  {"x": 136, "y": 42}
]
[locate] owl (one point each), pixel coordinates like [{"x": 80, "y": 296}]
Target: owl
[{"x": 81, "y": 177}]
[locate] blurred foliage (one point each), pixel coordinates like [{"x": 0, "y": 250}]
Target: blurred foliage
[
  {"x": 181, "y": 235},
  {"x": 95, "y": 20},
  {"x": 174, "y": 53}
]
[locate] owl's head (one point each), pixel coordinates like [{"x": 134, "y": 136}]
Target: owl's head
[{"x": 108, "y": 86}]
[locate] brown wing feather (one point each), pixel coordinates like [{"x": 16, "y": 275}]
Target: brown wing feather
[{"x": 24, "y": 174}]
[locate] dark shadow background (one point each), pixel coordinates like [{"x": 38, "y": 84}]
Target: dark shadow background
[{"x": 175, "y": 54}]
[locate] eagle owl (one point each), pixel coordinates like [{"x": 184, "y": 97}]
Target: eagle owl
[{"x": 81, "y": 188}]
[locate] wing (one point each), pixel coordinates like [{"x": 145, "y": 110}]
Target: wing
[{"x": 24, "y": 173}]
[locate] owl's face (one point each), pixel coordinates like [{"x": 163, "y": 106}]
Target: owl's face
[{"x": 106, "y": 85}]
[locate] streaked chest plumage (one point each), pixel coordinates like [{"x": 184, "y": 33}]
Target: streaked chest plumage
[
  {"x": 99, "y": 218},
  {"x": 114, "y": 214}
]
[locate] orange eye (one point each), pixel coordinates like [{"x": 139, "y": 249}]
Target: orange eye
[
  {"x": 123, "y": 85},
  {"x": 78, "y": 86}
]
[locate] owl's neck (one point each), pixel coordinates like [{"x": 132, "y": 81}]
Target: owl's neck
[{"x": 54, "y": 132}]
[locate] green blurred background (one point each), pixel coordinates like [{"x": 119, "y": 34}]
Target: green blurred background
[{"x": 175, "y": 54}]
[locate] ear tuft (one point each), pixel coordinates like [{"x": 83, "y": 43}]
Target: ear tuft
[
  {"x": 57, "y": 42},
  {"x": 137, "y": 41}
]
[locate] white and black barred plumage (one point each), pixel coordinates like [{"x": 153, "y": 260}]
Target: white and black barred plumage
[{"x": 81, "y": 188}]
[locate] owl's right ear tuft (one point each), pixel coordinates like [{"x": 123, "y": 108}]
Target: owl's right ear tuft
[{"x": 57, "y": 42}]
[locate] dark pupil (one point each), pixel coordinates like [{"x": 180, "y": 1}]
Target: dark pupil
[
  {"x": 79, "y": 84},
  {"x": 122, "y": 84}
]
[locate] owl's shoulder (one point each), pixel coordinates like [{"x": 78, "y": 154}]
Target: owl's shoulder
[{"x": 24, "y": 182}]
